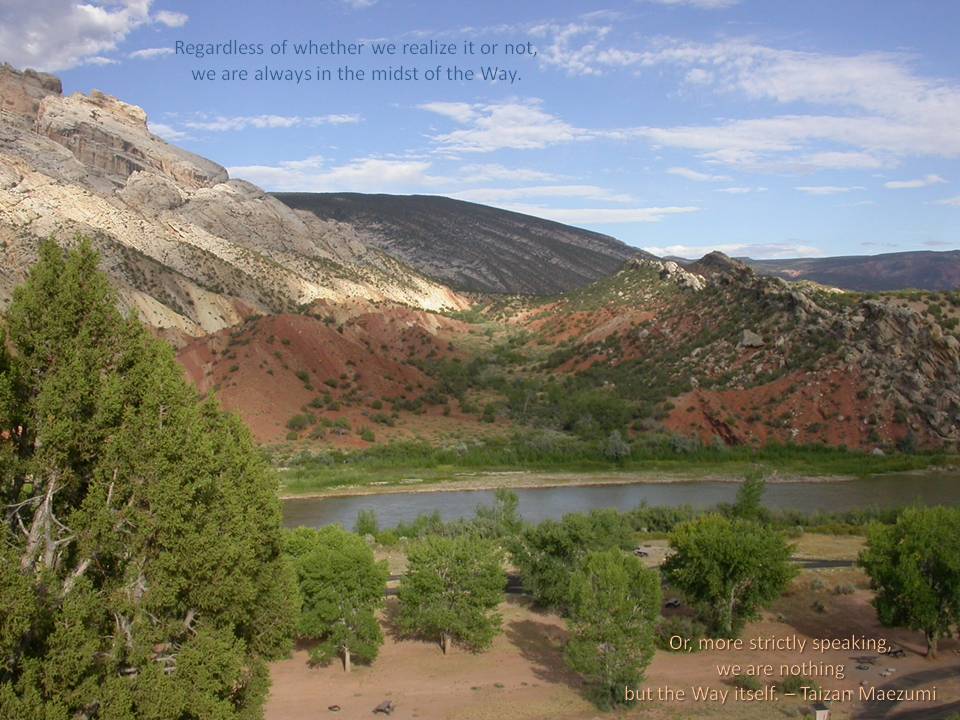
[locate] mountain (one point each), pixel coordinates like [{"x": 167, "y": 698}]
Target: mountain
[
  {"x": 303, "y": 323},
  {"x": 714, "y": 354},
  {"x": 192, "y": 250},
  {"x": 921, "y": 270},
  {"x": 472, "y": 247}
]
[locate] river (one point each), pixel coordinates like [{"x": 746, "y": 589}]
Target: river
[{"x": 536, "y": 504}]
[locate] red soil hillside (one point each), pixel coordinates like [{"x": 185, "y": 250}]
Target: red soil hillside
[{"x": 339, "y": 367}]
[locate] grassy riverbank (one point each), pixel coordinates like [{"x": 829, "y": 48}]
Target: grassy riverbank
[{"x": 520, "y": 462}]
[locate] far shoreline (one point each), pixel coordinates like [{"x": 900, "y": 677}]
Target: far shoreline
[{"x": 522, "y": 479}]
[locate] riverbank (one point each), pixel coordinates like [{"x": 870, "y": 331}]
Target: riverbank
[
  {"x": 523, "y": 479},
  {"x": 520, "y": 461}
]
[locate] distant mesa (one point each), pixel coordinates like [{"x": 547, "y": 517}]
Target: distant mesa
[{"x": 919, "y": 270}]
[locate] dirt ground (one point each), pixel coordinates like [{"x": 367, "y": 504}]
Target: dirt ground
[{"x": 523, "y": 676}]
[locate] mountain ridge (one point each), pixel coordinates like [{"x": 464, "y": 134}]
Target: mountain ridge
[
  {"x": 473, "y": 247},
  {"x": 911, "y": 270}
]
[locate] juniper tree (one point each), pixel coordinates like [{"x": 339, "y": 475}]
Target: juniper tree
[
  {"x": 451, "y": 591},
  {"x": 142, "y": 574},
  {"x": 342, "y": 586}
]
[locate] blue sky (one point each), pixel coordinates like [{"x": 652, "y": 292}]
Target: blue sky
[{"x": 762, "y": 128}]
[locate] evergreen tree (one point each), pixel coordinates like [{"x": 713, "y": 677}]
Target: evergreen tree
[
  {"x": 614, "y": 607},
  {"x": 728, "y": 568},
  {"x": 914, "y": 566},
  {"x": 451, "y": 591},
  {"x": 141, "y": 565},
  {"x": 342, "y": 586}
]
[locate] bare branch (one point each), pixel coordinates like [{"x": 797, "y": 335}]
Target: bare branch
[{"x": 77, "y": 573}]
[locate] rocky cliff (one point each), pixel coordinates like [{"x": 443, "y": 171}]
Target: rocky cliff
[{"x": 190, "y": 249}]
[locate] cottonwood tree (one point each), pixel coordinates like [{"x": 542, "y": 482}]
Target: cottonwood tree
[
  {"x": 451, "y": 591},
  {"x": 914, "y": 567},
  {"x": 548, "y": 553},
  {"x": 614, "y": 607},
  {"x": 728, "y": 569},
  {"x": 141, "y": 573},
  {"x": 342, "y": 587}
]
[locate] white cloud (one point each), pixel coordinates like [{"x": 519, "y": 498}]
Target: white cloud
[
  {"x": 599, "y": 216},
  {"x": 911, "y": 184},
  {"x": 898, "y": 111},
  {"x": 755, "y": 251},
  {"x": 839, "y": 161},
  {"x": 100, "y": 60},
  {"x": 577, "y": 48},
  {"x": 954, "y": 201},
  {"x": 359, "y": 4},
  {"x": 697, "y": 176},
  {"x": 150, "y": 53},
  {"x": 166, "y": 132},
  {"x": 56, "y": 35},
  {"x": 740, "y": 190},
  {"x": 361, "y": 175},
  {"x": 702, "y": 4},
  {"x": 828, "y": 189},
  {"x": 499, "y": 195},
  {"x": 880, "y": 109},
  {"x": 462, "y": 113},
  {"x": 171, "y": 19},
  {"x": 699, "y": 76},
  {"x": 491, "y": 171},
  {"x": 515, "y": 125},
  {"x": 242, "y": 122}
]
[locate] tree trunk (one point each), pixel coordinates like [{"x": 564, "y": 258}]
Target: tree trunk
[
  {"x": 445, "y": 642},
  {"x": 932, "y": 645},
  {"x": 726, "y": 619},
  {"x": 347, "y": 665}
]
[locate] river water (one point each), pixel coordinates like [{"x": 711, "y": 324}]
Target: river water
[{"x": 536, "y": 504}]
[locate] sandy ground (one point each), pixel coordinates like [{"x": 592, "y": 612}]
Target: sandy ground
[{"x": 523, "y": 675}]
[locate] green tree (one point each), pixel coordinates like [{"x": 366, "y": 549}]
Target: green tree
[
  {"x": 614, "y": 608},
  {"x": 500, "y": 520},
  {"x": 451, "y": 591},
  {"x": 548, "y": 553},
  {"x": 728, "y": 568},
  {"x": 617, "y": 449},
  {"x": 142, "y": 574},
  {"x": 341, "y": 586},
  {"x": 914, "y": 567},
  {"x": 367, "y": 523},
  {"x": 749, "y": 502}
]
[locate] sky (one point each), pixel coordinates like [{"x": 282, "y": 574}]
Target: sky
[{"x": 757, "y": 127}]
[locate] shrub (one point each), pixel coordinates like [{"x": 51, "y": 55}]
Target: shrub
[
  {"x": 747, "y": 682},
  {"x": 679, "y": 626}
]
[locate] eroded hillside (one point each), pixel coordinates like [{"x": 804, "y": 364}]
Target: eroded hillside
[
  {"x": 711, "y": 355},
  {"x": 190, "y": 249}
]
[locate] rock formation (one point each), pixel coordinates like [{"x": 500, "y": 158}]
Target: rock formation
[{"x": 191, "y": 250}]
